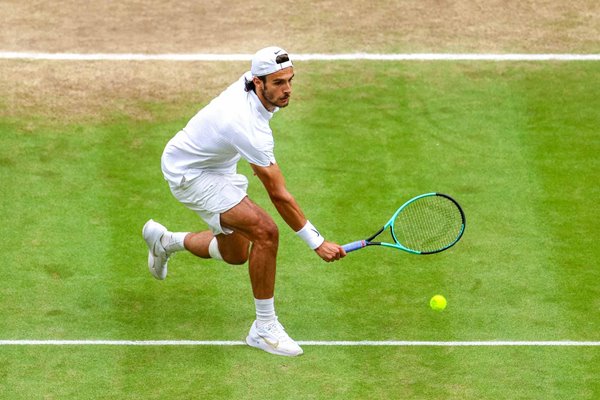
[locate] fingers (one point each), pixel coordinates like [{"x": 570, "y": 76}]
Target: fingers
[
  {"x": 330, "y": 252},
  {"x": 338, "y": 253}
]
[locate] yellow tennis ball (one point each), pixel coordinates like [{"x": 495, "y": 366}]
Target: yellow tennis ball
[{"x": 438, "y": 302}]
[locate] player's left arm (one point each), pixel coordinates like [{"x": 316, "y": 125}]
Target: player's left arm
[{"x": 286, "y": 205}]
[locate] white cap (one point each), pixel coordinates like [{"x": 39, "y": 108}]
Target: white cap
[{"x": 265, "y": 62}]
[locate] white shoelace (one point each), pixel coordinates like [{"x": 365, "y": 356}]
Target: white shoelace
[{"x": 274, "y": 329}]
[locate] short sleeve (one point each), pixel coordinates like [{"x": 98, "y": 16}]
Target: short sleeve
[{"x": 257, "y": 149}]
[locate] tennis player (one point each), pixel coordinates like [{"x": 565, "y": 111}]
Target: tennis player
[{"x": 199, "y": 164}]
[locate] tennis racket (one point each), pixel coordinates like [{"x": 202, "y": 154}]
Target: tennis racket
[{"x": 426, "y": 224}]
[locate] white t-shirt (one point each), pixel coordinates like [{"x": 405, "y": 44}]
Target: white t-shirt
[{"x": 234, "y": 125}]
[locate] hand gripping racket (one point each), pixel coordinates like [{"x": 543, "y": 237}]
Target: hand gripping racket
[{"x": 425, "y": 224}]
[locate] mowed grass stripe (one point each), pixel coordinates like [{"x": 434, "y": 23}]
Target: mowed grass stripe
[
  {"x": 56, "y": 265},
  {"x": 564, "y": 137}
]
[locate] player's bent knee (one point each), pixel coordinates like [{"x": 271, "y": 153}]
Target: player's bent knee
[{"x": 267, "y": 233}]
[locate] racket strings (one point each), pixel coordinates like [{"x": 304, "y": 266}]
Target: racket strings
[{"x": 428, "y": 224}]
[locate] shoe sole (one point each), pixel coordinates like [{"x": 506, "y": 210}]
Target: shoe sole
[{"x": 261, "y": 344}]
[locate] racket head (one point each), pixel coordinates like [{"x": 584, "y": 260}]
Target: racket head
[{"x": 428, "y": 223}]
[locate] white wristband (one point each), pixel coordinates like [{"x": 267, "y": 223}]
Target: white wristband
[{"x": 310, "y": 235}]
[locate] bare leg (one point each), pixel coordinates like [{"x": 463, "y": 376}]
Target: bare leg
[
  {"x": 251, "y": 224},
  {"x": 233, "y": 248},
  {"x": 256, "y": 226},
  {"x": 197, "y": 243}
]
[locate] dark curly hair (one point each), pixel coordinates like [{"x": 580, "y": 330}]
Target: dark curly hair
[{"x": 250, "y": 86}]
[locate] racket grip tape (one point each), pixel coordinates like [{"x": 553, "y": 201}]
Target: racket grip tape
[{"x": 354, "y": 246}]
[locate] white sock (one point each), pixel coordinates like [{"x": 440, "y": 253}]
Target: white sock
[
  {"x": 173, "y": 241},
  {"x": 265, "y": 310},
  {"x": 213, "y": 249}
]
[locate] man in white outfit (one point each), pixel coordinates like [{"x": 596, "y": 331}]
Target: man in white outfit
[{"x": 199, "y": 163}]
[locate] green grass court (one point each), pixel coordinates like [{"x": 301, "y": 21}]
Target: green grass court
[{"x": 516, "y": 143}]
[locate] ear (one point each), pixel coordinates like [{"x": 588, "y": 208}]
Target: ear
[{"x": 257, "y": 81}]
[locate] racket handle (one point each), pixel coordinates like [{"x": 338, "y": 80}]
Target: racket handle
[{"x": 354, "y": 246}]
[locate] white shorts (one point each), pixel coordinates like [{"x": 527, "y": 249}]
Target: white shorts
[{"x": 210, "y": 194}]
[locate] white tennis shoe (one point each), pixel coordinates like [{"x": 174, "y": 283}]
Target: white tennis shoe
[
  {"x": 157, "y": 255},
  {"x": 272, "y": 338}
]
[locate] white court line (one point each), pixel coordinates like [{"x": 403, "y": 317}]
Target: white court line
[
  {"x": 298, "y": 57},
  {"x": 342, "y": 343}
]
